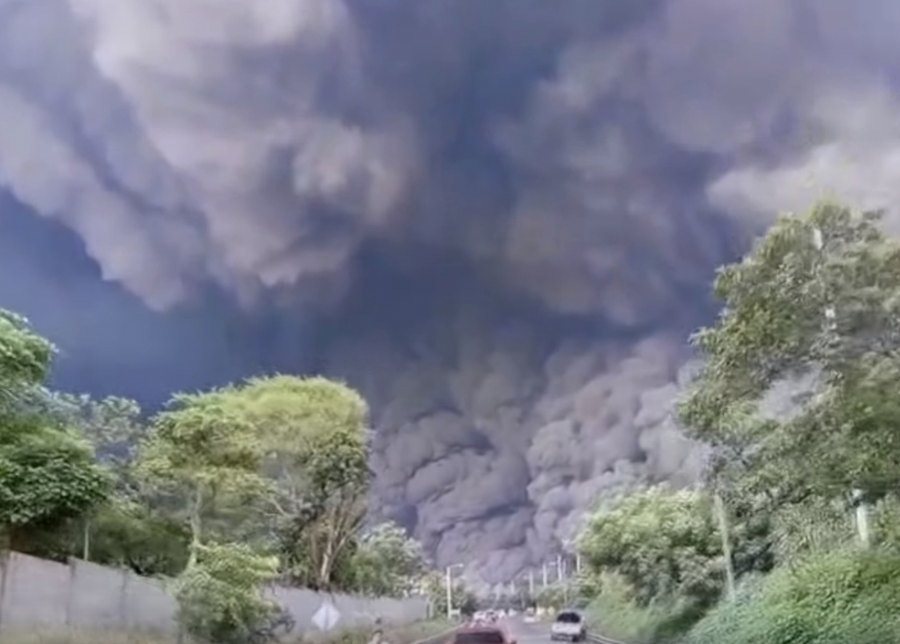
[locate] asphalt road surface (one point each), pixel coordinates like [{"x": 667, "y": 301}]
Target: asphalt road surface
[{"x": 538, "y": 633}]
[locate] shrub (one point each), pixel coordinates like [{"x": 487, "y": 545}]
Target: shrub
[
  {"x": 220, "y": 597},
  {"x": 616, "y": 613},
  {"x": 838, "y": 597}
]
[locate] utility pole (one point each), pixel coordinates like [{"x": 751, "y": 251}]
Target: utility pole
[
  {"x": 449, "y": 595},
  {"x": 531, "y": 582},
  {"x": 450, "y": 590},
  {"x": 578, "y": 562},
  {"x": 544, "y": 571},
  {"x": 559, "y": 569},
  {"x": 726, "y": 544},
  {"x": 862, "y": 508}
]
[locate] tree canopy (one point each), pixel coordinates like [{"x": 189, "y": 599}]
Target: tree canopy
[
  {"x": 387, "y": 562},
  {"x": 46, "y": 476},
  {"x": 24, "y": 357},
  {"x": 663, "y": 542},
  {"x": 202, "y": 453},
  {"x": 815, "y": 302},
  {"x": 315, "y": 440}
]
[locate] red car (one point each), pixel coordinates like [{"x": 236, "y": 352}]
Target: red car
[{"x": 482, "y": 635}]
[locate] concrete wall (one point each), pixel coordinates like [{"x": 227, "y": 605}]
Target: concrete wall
[{"x": 36, "y": 593}]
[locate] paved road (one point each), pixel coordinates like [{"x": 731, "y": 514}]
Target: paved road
[{"x": 538, "y": 633}]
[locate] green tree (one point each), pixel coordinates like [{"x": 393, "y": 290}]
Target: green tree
[
  {"x": 664, "y": 543},
  {"x": 47, "y": 475},
  {"x": 127, "y": 529},
  {"x": 202, "y": 457},
  {"x": 134, "y": 535},
  {"x": 316, "y": 458},
  {"x": 551, "y": 596},
  {"x": 24, "y": 358},
  {"x": 818, "y": 298},
  {"x": 464, "y": 600},
  {"x": 112, "y": 425},
  {"x": 815, "y": 526},
  {"x": 221, "y": 597},
  {"x": 387, "y": 562},
  {"x": 615, "y": 612}
]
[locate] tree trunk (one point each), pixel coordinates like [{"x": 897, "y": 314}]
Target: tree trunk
[
  {"x": 17, "y": 539},
  {"x": 196, "y": 526},
  {"x": 86, "y": 554},
  {"x": 726, "y": 544},
  {"x": 325, "y": 567}
]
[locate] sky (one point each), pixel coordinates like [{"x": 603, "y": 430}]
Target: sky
[{"x": 499, "y": 220}]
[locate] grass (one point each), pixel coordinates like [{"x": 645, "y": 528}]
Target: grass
[
  {"x": 417, "y": 631},
  {"x": 84, "y": 637},
  {"x": 407, "y": 634}
]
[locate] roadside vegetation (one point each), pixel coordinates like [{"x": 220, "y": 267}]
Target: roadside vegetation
[
  {"x": 406, "y": 634},
  {"x": 794, "y": 533},
  {"x": 226, "y": 490}
]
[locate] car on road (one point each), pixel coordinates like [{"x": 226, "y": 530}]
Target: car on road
[
  {"x": 568, "y": 625},
  {"x": 488, "y": 616},
  {"x": 482, "y": 635}
]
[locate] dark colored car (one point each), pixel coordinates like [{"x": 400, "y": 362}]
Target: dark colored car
[{"x": 482, "y": 635}]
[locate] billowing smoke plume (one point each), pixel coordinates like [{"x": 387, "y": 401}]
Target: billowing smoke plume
[
  {"x": 495, "y": 448},
  {"x": 505, "y": 215}
]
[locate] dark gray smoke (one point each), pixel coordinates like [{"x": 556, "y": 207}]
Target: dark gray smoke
[{"x": 504, "y": 215}]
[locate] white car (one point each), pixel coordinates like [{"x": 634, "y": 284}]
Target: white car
[{"x": 568, "y": 625}]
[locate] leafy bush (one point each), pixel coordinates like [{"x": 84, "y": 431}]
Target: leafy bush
[
  {"x": 654, "y": 563},
  {"x": 386, "y": 562},
  {"x": 220, "y": 596},
  {"x": 616, "y": 613},
  {"x": 47, "y": 475},
  {"x": 836, "y": 598},
  {"x": 662, "y": 542},
  {"x": 885, "y": 522},
  {"x": 816, "y": 525},
  {"x": 124, "y": 533}
]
